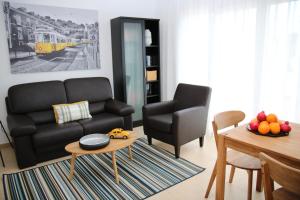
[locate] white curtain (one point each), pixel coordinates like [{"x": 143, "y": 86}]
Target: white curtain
[{"x": 248, "y": 51}]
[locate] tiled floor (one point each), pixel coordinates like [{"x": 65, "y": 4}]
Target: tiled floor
[{"x": 193, "y": 188}]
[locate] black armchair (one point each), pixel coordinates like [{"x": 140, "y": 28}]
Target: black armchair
[{"x": 181, "y": 120}]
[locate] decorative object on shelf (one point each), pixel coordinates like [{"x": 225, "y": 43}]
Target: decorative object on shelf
[
  {"x": 118, "y": 133},
  {"x": 269, "y": 125},
  {"x": 148, "y": 61},
  {"x": 94, "y": 141},
  {"x": 47, "y": 38},
  {"x": 148, "y": 37},
  {"x": 152, "y": 75}
]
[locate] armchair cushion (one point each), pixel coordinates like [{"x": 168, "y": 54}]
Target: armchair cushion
[
  {"x": 118, "y": 108},
  {"x": 158, "y": 108},
  {"x": 20, "y": 125},
  {"x": 161, "y": 122}
]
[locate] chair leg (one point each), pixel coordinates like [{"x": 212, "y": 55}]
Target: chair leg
[
  {"x": 211, "y": 181},
  {"x": 231, "y": 174},
  {"x": 149, "y": 140},
  {"x": 259, "y": 181},
  {"x": 201, "y": 141},
  {"x": 250, "y": 177},
  {"x": 177, "y": 151}
]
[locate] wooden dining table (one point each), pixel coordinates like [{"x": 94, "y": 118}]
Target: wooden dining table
[{"x": 285, "y": 149}]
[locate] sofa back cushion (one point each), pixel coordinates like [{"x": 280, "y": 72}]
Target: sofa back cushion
[
  {"x": 97, "y": 107},
  {"x": 42, "y": 117},
  {"x": 95, "y": 89},
  {"x": 36, "y": 97}
]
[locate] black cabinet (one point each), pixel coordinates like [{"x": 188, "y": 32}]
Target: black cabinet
[{"x": 136, "y": 62}]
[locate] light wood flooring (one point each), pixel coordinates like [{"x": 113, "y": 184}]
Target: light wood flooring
[{"x": 191, "y": 189}]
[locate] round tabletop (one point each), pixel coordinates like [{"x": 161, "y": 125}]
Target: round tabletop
[{"x": 114, "y": 144}]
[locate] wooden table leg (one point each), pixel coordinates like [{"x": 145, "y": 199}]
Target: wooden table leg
[
  {"x": 129, "y": 152},
  {"x": 221, "y": 168},
  {"x": 72, "y": 166},
  {"x": 113, "y": 156}
]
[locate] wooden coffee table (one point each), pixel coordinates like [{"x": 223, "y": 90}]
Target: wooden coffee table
[{"x": 112, "y": 147}]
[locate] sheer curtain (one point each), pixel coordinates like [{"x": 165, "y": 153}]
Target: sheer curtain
[{"x": 248, "y": 51}]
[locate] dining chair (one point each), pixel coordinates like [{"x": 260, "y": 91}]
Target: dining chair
[
  {"x": 284, "y": 175},
  {"x": 234, "y": 158}
]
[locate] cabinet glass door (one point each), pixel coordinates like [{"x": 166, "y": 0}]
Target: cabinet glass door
[{"x": 134, "y": 66}]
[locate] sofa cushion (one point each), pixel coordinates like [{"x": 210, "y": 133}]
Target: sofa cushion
[
  {"x": 102, "y": 123},
  {"x": 94, "y": 89},
  {"x": 53, "y": 134},
  {"x": 161, "y": 122},
  {"x": 71, "y": 112},
  {"x": 42, "y": 117},
  {"x": 33, "y": 97}
]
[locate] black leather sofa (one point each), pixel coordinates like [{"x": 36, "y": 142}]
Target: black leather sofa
[{"x": 31, "y": 120}]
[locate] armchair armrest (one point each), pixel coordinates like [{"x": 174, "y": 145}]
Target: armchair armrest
[
  {"x": 20, "y": 125},
  {"x": 158, "y": 108},
  {"x": 119, "y": 108},
  {"x": 189, "y": 123}
]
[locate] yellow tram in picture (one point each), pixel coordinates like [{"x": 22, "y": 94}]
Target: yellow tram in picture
[{"x": 48, "y": 42}]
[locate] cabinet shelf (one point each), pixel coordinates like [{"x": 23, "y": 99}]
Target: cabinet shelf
[
  {"x": 156, "y": 81},
  {"x": 152, "y": 46},
  {"x": 152, "y": 95},
  {"x": 152, "y": 67}
]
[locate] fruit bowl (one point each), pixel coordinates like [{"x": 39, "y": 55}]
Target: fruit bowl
[
  {"x": 280, "y": 134},
  {"x": 269, "y": 125}
]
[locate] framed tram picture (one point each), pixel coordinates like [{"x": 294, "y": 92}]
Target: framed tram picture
[{"x": 47, "y": 39}]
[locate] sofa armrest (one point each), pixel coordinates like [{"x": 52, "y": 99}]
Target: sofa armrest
[
  {"x": 158, "y": 108},
  {"x": 189, "y": 123},
  {"x": 119, "y": 108},
  {"x": 20, "y": 125}
]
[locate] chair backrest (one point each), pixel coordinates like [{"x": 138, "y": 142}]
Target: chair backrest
[
  {"x": 286, "y": 176},
  {"x": 226, "y": 119},
  {"x": 187, "y": 96}
]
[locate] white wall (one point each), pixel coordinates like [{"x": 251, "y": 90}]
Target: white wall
[{"x": 106, "y": 11}]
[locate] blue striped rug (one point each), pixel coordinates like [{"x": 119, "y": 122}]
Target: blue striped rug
[{"x": 152, "y": 170}]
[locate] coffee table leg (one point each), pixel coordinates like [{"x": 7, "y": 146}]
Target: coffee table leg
[
  {"x": 129, "y": 152},
  {"x": 113, "y": 156},
  {"x": 72, "y": 166}
]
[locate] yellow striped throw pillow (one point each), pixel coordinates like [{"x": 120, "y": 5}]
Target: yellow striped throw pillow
[{"x": 71, "y": 112}]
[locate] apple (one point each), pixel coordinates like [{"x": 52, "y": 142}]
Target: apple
[
  {"x": 285, "y": 127},
  {"x": 261, "y": 116},
  {"x": 254, "y": 125}
]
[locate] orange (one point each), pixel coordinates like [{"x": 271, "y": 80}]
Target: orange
[
  {"x": 275, "y": 127},
  {"x": 264, "y": 128},
  {"x": 272, "y": 118},
  {"x": 264, "y": 122}
]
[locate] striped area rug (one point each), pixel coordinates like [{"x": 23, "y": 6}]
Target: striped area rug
[{"x": 151, "y": 171}]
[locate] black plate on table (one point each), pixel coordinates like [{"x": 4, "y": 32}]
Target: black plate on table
[
  {"x": 281, "y": 134},
  {"x": 94, "y": 141}
]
